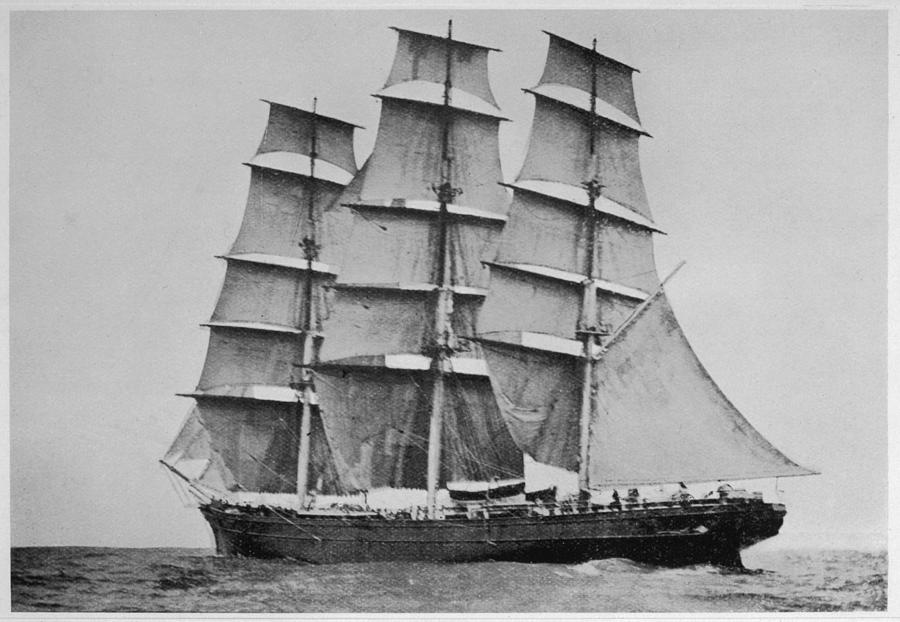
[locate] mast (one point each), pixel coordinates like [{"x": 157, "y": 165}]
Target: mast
[
  {"x": 590, "y": 328},
  {"x": 305, "y": 387},
  {"x": 575, "y": 257},
  {"x": 410, "y": 269},
  {"x": 442, "y": 347}
]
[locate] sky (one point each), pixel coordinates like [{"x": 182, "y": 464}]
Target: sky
[{"x": 767, "y": 168}]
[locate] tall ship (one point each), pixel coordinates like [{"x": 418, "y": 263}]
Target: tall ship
[{"x": 420, "y": 360}]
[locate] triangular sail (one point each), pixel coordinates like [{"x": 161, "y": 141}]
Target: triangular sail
[{"x": 661, "y": 418}]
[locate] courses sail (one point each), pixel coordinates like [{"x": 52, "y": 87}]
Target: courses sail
[{"x": 589, "y": 367}]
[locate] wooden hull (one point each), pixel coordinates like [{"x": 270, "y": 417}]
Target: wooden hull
[{"x": 665, "y": 534}]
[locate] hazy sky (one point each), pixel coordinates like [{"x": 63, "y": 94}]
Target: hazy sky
[{"x": 767, "y": 168}]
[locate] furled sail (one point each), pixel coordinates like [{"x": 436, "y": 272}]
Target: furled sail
[
  {"x": 373, "y": 378},
  {"x": 661, "y": 418}
]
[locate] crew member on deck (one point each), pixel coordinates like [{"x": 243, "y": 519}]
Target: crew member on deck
[{"x": 615, "y": 502}]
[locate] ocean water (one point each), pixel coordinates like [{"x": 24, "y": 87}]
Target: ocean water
[{"x": 195, "y": 580}]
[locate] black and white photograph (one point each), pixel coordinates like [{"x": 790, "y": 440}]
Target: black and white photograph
[{"x": 448, "y": 310}]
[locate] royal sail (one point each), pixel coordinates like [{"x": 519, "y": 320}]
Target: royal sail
[{"x": 421, "y": 328}]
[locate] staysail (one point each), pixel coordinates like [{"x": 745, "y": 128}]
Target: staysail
[
  {"x": 661, "y": 418},
  {"x": 246, "y": 416},
  {"x": 417, "y": 220}
]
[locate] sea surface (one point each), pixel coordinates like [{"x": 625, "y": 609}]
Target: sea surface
[{"x": 63, "y": 579}]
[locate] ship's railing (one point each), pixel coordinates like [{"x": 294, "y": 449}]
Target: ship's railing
[
  {"x": 561, "y": 508},
  {"x": 481, "y": 511}
]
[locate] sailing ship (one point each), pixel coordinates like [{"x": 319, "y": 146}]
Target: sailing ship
[{"x": 396, "y": 348}]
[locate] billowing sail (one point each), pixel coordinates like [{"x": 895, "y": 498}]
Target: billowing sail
[
  {"x": 290, "y": 131},
  {"x": 423, "y": 58},
  {"x": 538, "y": 393},
  {"x": 231, "y": 446},
  {"x": 384, "y": 245},
  {"x": 380, "y": 320},
  {"x": 406, "y": 161},
  {"x": 373, "y": 379},
  {"x": 559, "y": 151},
  {"x": 569, "y": 64},
  {"x": 256, "y": 331},
  {"x": 376, "y": 420},
  {"x": 275, "y": 216},
  {"x": 661, "y": 418},
  {"x": 545, "y": 258}
]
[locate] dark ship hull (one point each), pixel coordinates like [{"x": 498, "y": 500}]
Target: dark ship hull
[{"x": 670, "y": 534}]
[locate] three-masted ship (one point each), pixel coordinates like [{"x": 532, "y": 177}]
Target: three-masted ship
[{"x": 394, "y": 345}]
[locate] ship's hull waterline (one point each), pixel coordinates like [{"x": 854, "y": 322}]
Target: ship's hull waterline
[{"x": 668, "y": 534}]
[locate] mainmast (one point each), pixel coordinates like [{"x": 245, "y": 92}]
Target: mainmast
[
  {"x": 305, "y": 387},
  {"x": 442, "y": 347},
  {"x": 590, "y": 328},
  {"x": 406, "y": 402}
]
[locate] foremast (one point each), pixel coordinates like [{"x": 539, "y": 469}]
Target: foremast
[
  {"x": 633, "y": 406},
  {"x": 575, "y": 258}
]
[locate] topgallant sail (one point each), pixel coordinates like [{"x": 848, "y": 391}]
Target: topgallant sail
[{"x": 394, "y": 346}]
